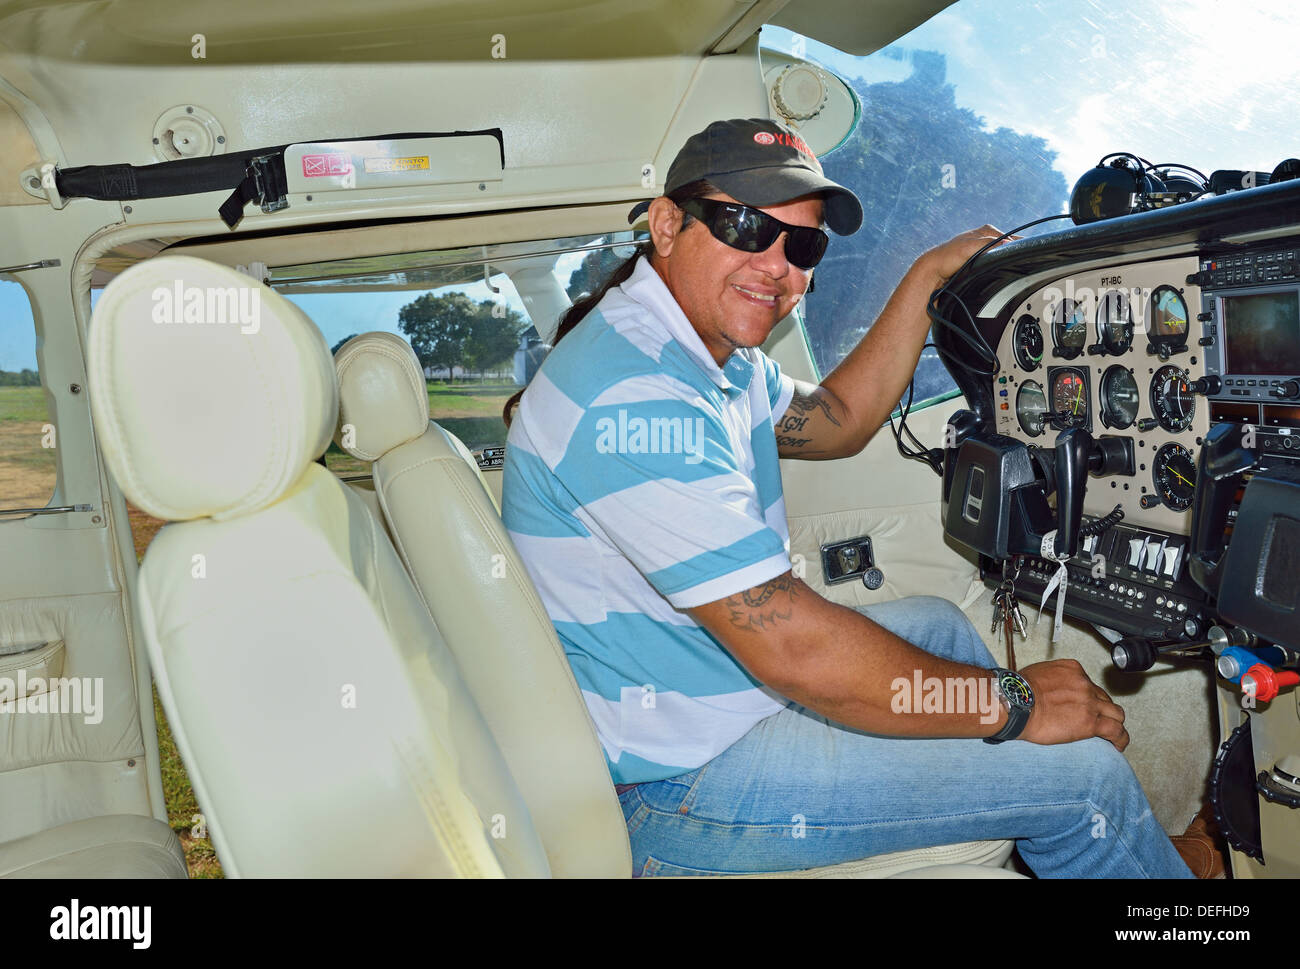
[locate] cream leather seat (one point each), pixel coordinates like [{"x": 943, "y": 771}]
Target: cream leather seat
[
  {"x": 113, "y": 846},
  {"x": 323, "y": 721},
  {"x": 448, "y": 531}
]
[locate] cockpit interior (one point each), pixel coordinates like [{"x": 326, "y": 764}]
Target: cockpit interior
[{"x": 1105, "y": 422}]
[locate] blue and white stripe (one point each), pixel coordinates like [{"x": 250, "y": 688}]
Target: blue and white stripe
[{"x": 620, "y": 540}]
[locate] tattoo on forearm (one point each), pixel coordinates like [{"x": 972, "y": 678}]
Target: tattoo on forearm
[
  {"x": 791, "y": 424},
  {"x": 784, "y": 441},
  {"x": 806, "y": 403},
  {"x": 764, "y": 606}
]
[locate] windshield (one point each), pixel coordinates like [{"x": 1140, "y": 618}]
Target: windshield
[{"x": 991, "y": 110}]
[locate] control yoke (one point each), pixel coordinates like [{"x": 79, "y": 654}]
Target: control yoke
[
  {"x": 996, "y": 488},
  {"x": 1072, "y": 447}
]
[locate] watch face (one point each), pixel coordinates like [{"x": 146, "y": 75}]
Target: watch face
[{"x": 1016, "y": 689}]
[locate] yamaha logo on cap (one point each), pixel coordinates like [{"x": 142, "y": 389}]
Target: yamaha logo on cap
[{"x": 759, "y": 162}]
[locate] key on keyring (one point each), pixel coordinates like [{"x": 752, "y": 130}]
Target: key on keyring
[
  {"x": 1011, "y": 624},
  {"x": 999, "y": 609},
  {"x": 1009, "y": 638},
  {"x": 1007, "y": 608}
]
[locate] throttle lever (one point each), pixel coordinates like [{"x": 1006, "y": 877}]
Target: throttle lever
[{"x": 1133, "y": 654}]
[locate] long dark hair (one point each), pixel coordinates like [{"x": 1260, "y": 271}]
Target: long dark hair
[{"x": 621, "y": 274}]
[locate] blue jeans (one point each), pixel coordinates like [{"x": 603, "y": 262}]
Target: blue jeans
[{"x": 799, "y": 791}]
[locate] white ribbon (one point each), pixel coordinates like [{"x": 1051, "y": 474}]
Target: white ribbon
[{"x": 1061, "y": 579}]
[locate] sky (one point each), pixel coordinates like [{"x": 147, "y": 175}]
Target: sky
[{"x": 1209, "y": 83}]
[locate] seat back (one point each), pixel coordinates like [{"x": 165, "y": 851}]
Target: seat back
[
  {"x": 447, "y": 529},
  {"x": 324, "y": 724}
]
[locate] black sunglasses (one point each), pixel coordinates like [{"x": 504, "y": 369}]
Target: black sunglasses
[{"x": 750, "y": 230}]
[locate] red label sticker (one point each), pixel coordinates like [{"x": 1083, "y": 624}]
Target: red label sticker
[
  {"x": 316, "y": 166},
  {"x": 764, "y": 137}
]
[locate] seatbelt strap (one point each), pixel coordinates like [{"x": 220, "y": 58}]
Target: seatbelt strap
[
  {"x": 264, "y": 182},
  {"x": 251, "y": 176}
]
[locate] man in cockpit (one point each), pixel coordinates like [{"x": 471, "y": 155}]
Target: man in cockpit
[{"x": 749, "y": 723}]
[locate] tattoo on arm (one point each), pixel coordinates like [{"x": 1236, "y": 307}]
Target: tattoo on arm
[
  {"x": 783, "y": 440},
  {"x": 765, "y": 605},
  {"x": 798, "y": 428},
  {"x": 807, "y": 403}
]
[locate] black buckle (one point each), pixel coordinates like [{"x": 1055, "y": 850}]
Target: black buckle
[{"x": 265, "y": 182}]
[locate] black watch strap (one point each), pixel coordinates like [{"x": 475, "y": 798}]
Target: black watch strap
[
  {"x": 1018, "y": 708},
  {"x": 1017, "y": 717}
]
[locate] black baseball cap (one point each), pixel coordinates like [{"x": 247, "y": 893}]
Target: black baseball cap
[{"x": 759, "y": 162}]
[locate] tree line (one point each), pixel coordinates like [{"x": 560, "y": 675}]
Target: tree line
[
  {"x": 451, "y": 330},
  {"x": 19, "y": 378}
]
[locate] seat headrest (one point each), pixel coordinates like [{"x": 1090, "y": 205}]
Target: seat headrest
[
  {"x": 383, "y": 398},
  {"x": 211, "y": 393}
]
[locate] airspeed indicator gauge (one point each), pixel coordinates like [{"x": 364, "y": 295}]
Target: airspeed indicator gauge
[{"x": 1027, "y": 341}]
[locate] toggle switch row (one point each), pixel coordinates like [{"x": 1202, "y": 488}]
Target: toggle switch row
[{"x": 1155, "y": 556}]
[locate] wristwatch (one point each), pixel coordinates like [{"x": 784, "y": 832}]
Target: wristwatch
[{"x": 1018, "y": 697}]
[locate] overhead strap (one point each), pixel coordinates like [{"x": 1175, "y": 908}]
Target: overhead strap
[
  {"x": 264, "y": 183},
  {"x": 251, "y": 176}
]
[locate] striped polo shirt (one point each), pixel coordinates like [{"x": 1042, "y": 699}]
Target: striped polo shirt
[{"x": 642, "y": 479}]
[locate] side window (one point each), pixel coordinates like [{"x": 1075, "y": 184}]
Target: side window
[
  {"x": 476, "y": 332},
  {"x": 926, "y": 168},
  {"x": 467, "y": 343},
  {"x": 28, "y": 439}
]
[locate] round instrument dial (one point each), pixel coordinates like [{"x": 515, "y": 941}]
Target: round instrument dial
[
  {"x": 1115, "y": 322},
  {"x": 1119, "y": 397},
  {"x": 1069, "y": 398},
  {"x": 1167, "y": 318},
  {"x": 1174, "y": 475},
  {"x": 1172, "y": 400},
  {"x": 1027, "y": 339},
  {"x": 1031, "y": 408},
  {"x": 1069, "y": 328}
]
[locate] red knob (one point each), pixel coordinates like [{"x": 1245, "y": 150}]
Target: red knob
[{"x": 1264, "y": 683}]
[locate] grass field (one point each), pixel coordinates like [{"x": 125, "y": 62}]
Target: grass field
[
  {"x": 471, "y": 411},
  {"x": 27, "y": 469}
]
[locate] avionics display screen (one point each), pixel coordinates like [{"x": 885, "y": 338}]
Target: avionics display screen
[{"x": 1262, "y": 333}]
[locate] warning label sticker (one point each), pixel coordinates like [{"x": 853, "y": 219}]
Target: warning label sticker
[
  {"x": 412, "y": 163},
  {"x": 316, "y": 166}
]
